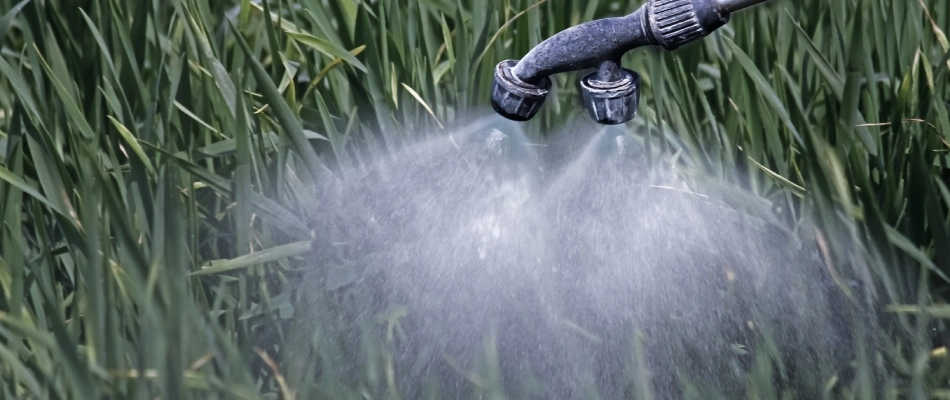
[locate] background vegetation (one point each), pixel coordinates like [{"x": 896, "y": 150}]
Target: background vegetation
[{"x": 155, "y": 158}]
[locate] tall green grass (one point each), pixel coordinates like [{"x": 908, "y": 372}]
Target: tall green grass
[{"x": 156, "y": 159}]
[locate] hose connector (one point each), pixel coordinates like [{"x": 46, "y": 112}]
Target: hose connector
[{"x": 674, "y": 23}]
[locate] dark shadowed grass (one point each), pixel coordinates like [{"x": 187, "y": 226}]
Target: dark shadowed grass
[{"x": 157, "y": 161}]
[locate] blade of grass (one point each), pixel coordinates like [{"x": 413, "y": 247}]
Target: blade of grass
[
  {"x": 134, "y": 144},
  {"x": 764, "y": 87},
  {"x": 424, "y": 104},
  {"x": 257, "y": 258},
  {"x": 287, "y": 119},
  {"x": 327, "y": 48}
]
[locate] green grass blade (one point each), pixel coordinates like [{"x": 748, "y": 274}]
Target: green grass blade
[
  {"x": 8, "y": 17},
  {"x": 285, "y": 115},
  {"x": 134, "y": 144},
  {"x": 764, "y": 88},
  {"x": 257, "y": 258},
  {"x": 327, "y": 48}
]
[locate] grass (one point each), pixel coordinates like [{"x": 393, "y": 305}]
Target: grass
[{"x": 155, "y": 160}]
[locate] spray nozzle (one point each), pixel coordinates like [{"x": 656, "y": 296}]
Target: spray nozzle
[{"x": 612, "y": 92}]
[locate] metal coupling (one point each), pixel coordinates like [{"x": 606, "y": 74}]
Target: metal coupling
[{"x": 673, "y": 23}]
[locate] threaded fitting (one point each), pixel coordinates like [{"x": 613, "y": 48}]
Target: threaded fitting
[{"x": 674, "y": 23}]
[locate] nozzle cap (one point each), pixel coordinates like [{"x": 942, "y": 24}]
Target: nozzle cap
[
  {"x": 515, "y": 99},
  {"x": 612, "y": 103}
]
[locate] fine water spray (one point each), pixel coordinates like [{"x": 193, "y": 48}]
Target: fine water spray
[
  {"x": 611, "y": 93},
  {"x": 561, "y": 270}
]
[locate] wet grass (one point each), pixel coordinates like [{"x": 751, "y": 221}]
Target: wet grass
[{"x": 155, "y": 160}]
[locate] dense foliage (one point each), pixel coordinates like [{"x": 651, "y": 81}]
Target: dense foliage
[{"x": 155, "y": 158}]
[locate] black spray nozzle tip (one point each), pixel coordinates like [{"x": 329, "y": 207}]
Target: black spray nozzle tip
[
  {"x": 615, "y": 102},
  {"x": 515, "y": 99}
]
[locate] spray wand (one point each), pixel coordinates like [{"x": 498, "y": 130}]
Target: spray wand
[{"x": 611, "y": 93}]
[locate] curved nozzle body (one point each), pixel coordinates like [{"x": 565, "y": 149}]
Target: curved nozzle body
[
  {"x": 731, "y": 6},
  {"x": 583, "y": 46},
  {"x": 521, "y": 86}
]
